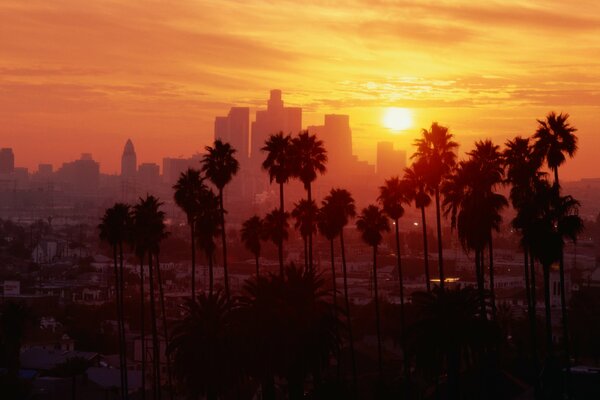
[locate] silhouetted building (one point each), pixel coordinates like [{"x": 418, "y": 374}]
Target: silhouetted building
[
  {"x": 276, "y": 118},
  {"x": 80, "y": 175},
  {"x": 235, "y": 130},
  {"x": 45, "y": 170},
  {"x": 337, "y": 137},
  {"x": 148, "y": 175},
  {"x": 173, "y": 167},
  {"x": 128, "y": 161},
  {"x": 7, "y": 161},
  {"x": 390, "y": 162}
]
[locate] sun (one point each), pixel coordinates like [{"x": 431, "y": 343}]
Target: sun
[{"x": 397, "y": 119}]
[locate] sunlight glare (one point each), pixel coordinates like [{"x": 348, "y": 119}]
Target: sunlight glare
[{"x": 397, "y": 119}]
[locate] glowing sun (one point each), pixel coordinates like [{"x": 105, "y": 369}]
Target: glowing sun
[{"x": 397, "y": 119}]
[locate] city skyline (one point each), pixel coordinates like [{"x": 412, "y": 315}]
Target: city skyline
[{"x": 482, "y": 70}]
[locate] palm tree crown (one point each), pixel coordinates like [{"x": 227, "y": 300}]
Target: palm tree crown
[
  {"x": 372, "y": 223},
  {"x": 252, "y": 233},
  {"x": 188, "y": 191},
  {"x": 277, "y": 163},
  {"x": 554, "y": 139},
  {"x": 392, "y": 195},
  {"x": 219, "y": 163},
  {"x": 309, "y": 156}
]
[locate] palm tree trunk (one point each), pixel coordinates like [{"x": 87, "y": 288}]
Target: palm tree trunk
[
  {"x": 143, "y": 328},
  {"x": 377, "y": 315},
  {"x": 402, "y": 319},
  {"x": 224, "y": 243},
  {"x": 480, "y": 282},
  {"x": 119, "y": 321},
  {"x": 549, "y": 345},
  {"x": 280, "y": 244},
  {"x": 192, "y": 236},
  {"x": 425, "y": 250},
  {"x": 310, "y": 238},
  {"x": 125, "y": 388},
  {"x": 334, "y": 291},
  {"x": 155, "y": 344},
  {"x": 491, "y": 267},
  {"x": 305, "y": 241},
  {"x": 532, "y": 319},
  {"x": 347, "y": 302},
  {"x": 257, "y": 265},
  {"x": 211, "y": 277},
  {"x": 161, "y": 294},
  {"x": 565, "y": 321},
  {"x": 534, "y": 345},
  {"x": 439, "y": 237}
]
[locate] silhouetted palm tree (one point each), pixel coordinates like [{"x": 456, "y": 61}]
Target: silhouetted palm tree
[
  {"x": 115, "y": 229},
  {"x": 448, "y": 331},
  {"x": 203, "y": 347},
  {"x": 305, "y": 214},
  {"x": 522, "y": 173},
  {"x": 416, "y": 180},
  {"x": 208, "y": 227},
  {"x": 188, "y": 191},
  {"x": 309, "y": 158},
  {"x": 14, "y": 319},
  {"x": 149, "y": 230},
  {"x": 371, "y": 223},
  {"x": 438, "y": 151},
  {"x": 392, "y": 195},
  {"x": 276, "y": 229},
  {"x": 252, "y": 233},
  {"x": 555, "y": 139},
  {"x": 220, "y": 165},
  {"x": 340, "y": 205},
  {"x": 280, "y": 166}
]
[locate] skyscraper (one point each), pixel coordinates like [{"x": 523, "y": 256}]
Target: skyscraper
[
  {"x": 337, "y": 137},
  {"x": 235, "y": 130},
  {"x": 390, "y": 162},
  {"x": 7, "y": 161},
  {"x": 128, "y": 161}
]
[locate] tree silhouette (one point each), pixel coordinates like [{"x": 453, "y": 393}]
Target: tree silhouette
[
  {"x": 208, "y": 227},
  {"x": 437, "y": 149},
  {"x": 371, "y": 223},
  {"x": 220, "y": 165},
  {"x": 253, "y": 232},
  {"x": 392, "y": 195},
  {"x": 188, "y": 192},
  {"x": 280, "y": 166},
  {"x": 276, "y": 229},
  {"x": 309, "y": 158},
  {"x": 340, "y": 207},
  {"x": 305, "y": 215},
  {"x": 115, "y": 229},
  {"x": 416, "y": 182}
]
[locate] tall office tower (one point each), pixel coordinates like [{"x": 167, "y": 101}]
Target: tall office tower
[
  {"x": 148, "y": 176},
  {"x": 128, "y": 161},
  {"x": 81, "y": 175},
  {"x": 390, "y": 162},
  {"x": 337, "y": 138},
  {"x": 276, "y": 118},
  {"x": 7, "y": 161},
  {"x": 235, "y": 129}
]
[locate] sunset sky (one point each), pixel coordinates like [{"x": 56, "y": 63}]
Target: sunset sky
[{"x": 79, "y": 76}]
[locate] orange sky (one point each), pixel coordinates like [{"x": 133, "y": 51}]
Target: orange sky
[{"x": 84, "y": 76}]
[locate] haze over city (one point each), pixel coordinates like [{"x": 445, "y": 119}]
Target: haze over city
[
  {"x": 217, "y": 200},
  {"x": 86, "y": 79}
]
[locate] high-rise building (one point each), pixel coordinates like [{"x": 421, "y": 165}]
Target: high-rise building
[
  {"x": 128, "y": 161},
  {"x": 276, "y": 118},
  {"x": 173, "y": 167},
  {"x": 80, "y": 175},
  {"x": 235, "y": 130},
  {"x": 390, "y": 162},
  {"x": 7, "y": 161},
  {"x": 337, "y": 138},
  {"x": 148, "y": 175}
]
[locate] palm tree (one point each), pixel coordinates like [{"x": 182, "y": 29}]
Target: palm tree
[
  {"x": 208, "y": 227},
  {"x": 14, "y": 320},
  {"x": 305, "y": 214},
  {"x": 203, "y": 347},
  {"x": 276, "y": 229},
  {"x": 220, "y": 165},
  {"x": 371, "y": 223},
  {"x": 438, "y": 151},
  {"x": 149, "y": 229},
  {"x": 416, "y": 180},
  {"x": 340, "y": 205},
  {"x": 554, "y": 140},
  {"x": 392, "y": 195},
  {"x": 280, "y": 167},
  {"x": 309, "y": 159},
  {"x": 114, "y": 230},
  {"x": 522, "y": 173},
  {"x": 188, "y": 190},
  {"x": 448, "y": 329},
  {"x": 252, "y": 233}
]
